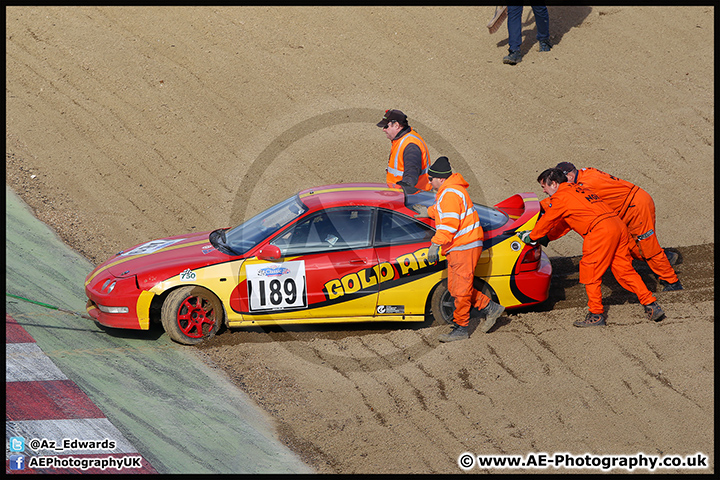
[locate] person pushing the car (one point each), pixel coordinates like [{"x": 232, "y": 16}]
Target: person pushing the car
[
  {"x": 409, "y": 155},
  {"x": 636, "y": 208},
  {"x": 605, "y": 242},
  {"x": 459, "y": 233}
]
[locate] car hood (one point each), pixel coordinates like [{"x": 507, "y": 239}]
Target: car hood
[{"x": 162, "y": 258}]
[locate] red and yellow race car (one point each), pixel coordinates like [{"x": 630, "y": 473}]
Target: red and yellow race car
[{"x": 336, "y": 253}]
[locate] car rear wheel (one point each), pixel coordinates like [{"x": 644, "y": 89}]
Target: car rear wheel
[
  {"x": 443, "y": 304},
  {"x": 191, "y": 315}
]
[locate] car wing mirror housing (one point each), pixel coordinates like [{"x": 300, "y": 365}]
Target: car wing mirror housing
[{"x": 270, "y": 253}]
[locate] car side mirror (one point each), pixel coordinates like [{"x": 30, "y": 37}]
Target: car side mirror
[{"x": 270, "y": 253}]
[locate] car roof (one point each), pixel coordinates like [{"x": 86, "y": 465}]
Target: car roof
[{"x": 371, "y": 194}]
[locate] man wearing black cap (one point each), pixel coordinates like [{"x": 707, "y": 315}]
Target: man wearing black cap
[
  {"x": 636, "y": 208},
  {"x": 459, "y": 233},
  {"x": 409, "y": 155}
]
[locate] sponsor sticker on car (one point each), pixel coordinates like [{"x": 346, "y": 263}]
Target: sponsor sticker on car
[
  {"x": 390, "y": 309},
  {"x": 187, "y": 275},
  {"x": 151, "y": 247}
]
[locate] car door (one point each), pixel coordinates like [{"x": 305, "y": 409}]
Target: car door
[
  {"x": 402, "y": 242},
  {"x": 329, "y": 257}
]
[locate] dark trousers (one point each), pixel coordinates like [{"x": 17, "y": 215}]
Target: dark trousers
[{"x": 514, "y": 23}]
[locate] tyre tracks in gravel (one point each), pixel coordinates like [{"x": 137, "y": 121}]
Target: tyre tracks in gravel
[{"x": 347, "y": 396}]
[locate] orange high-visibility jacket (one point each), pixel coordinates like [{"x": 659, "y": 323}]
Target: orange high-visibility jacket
[
  {"x": 457, "y": 224},
  {"x": 396, "y": 162}
]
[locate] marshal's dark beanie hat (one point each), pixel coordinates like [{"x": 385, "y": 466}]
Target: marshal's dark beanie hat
[{"x": 440, "y": 169}]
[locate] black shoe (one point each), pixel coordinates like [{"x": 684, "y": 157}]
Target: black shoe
[
  {"x": 654, "y": 312},
  {"x": 591, "y": 320},
  {"x": 513, "y": 58},
  {"x": 545, "y": 45},
  {"x": 457, "y": 333},
  {"x": 673, "y": 286},
  {"x": 492, "y": 312},
  {"x": 672, "y": 256}
]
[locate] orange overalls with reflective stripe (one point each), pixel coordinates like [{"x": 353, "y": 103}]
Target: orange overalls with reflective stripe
[
  {"x": 605, "y": 241},
  {"x": 396, "y": 162},
  {"x": 636, "y": 208},
  {"x": 459, "y": 233}
]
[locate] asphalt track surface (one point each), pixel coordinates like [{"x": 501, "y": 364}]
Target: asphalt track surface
[{"x": 68, "y": 378}]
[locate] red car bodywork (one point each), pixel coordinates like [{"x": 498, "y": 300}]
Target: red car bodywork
[{"x": 348, "y": 282}]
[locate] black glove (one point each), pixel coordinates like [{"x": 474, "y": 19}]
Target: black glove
[{"x": 407, "y": 188}]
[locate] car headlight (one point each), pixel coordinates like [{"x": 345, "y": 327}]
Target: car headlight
[
  {"x": 110, "y": 282},
  {"x": 105, "y": 309}
]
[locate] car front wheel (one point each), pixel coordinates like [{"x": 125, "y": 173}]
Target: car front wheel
[
  {"x": 191, "y": 315},
  {"x": 443, "y": 304}
]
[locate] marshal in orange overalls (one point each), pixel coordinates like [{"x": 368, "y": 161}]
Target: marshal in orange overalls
[
  {"x": 636, "y": 208},
  {"x": 459, "y": 233},
  {"x": 605, "y": 241}
]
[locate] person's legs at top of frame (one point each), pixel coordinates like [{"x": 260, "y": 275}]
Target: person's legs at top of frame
[
  {"x": 514, "y": 25},
  {"x": 542, "y": 23},
  {"x": 514, "y": 22}
]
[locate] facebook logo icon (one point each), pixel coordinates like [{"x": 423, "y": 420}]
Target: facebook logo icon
[{"x": 17, "y": 462}]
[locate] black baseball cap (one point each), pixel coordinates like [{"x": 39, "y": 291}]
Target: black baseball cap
[
  {"x": 566, "y": 167},
  {"x": 393, "y": 115}
]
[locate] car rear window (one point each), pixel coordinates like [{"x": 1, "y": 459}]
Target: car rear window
[{"x": 490, "y": 217}]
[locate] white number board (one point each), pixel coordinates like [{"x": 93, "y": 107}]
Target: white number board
[{"x": 276, "y": 286}]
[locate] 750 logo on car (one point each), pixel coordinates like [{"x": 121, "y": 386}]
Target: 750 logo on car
[{"x": 187, "y": 275}]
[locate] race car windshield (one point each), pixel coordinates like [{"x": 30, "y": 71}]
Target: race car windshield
[{"x": 246, "y": 235}]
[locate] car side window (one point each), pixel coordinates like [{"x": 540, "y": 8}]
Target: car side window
[
  {"x": 396, "y": 229},
  {"x": 328, "y": 230}
]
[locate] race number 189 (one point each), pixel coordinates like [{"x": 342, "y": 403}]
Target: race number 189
[
  {"x": 276, "y": 286},
  {"x": 274, "y": 293}
]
